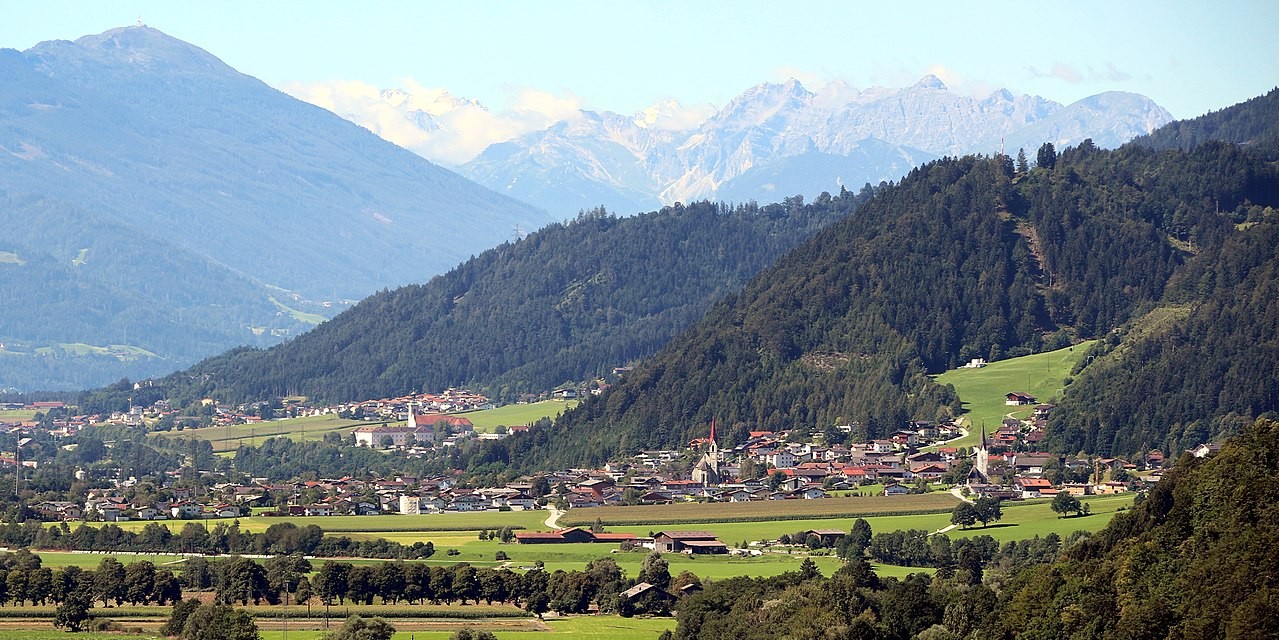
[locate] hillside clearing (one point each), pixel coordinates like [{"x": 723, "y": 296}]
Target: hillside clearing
[{"x": 982, "y": 391}]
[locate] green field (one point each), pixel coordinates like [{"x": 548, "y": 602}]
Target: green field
[
  {"x": 229, "y": 438},
  {"x": 380, "y": 523},
  {"x": 59, "y": 559},
  {"x": 17, "y": 415},
  {"x": 1023, "y": 521},
  {"x": 759, "y": 510},
  {"x": 517, "y": 414},
  {"x": 982, "y": 390},
  {"x": 300, "y": 316},
  {"x": 79, "y": 349}
]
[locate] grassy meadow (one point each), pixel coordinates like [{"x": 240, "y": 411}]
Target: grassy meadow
[
  {"x": 229, "y": 438},
  {"x": 692, "y": 513},
  {"x": 517, "y": 414},
  {"x": 982, "y": 391}
]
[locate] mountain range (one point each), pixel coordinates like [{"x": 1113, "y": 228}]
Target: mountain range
[
  {"x": 160, "y": 206},
  {"x": 772, "y": 141}
]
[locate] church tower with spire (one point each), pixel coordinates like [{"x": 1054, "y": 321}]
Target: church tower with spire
[
  {"x": 981, "y": 464},
  {"x": 706, "y": 471}
]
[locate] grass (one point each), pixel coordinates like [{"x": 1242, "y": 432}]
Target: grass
[
  {"x": 1024, "y": 521},
  {"x": 229, "y": 438},
  {"x": 79, "y": 349},
  {"x": 764, "y": 510},
  {"x": 60, "y": 559},
  {"x": 300, "y": 316},
  {"x": 982, "y": 391},
  {"x": 18, "y": 414},
  {"x": 517, "y": 414},
  {"x": 371, "y": 524}
]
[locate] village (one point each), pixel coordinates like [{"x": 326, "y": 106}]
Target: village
[{"x": 1006, "y": 464}]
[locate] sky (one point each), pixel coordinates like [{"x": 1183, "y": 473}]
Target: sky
[{"x": 532, "y": 61}]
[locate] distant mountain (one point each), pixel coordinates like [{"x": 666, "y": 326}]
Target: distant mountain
[
  {"x": 215, "y": 203},
  {"x": 777, "y": 140},
  {"x": 566, "y": 304}
]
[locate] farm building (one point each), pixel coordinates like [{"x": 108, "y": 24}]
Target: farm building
[
  {"x": 572, "y": 534},
  {"x": 688, "y": 542}
]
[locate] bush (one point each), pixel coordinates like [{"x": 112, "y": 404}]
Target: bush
[{"x": 357, "y": 628}]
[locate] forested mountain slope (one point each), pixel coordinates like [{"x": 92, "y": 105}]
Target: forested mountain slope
[
  {"x": 1254, "y": 123},
  {"x": 1195, "y": 559},
  {"x": 566, "y": 303},
  {"x": 963, "y": 258}
]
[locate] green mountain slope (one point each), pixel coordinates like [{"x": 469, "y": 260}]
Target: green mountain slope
[
  {"x": 956, "y": 261},
  {"x": 1253, "y": 123},
  {"x": 567, "y": 303}
]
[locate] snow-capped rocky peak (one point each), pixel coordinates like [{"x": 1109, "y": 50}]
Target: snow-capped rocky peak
[
  {"x": 757, "y": 105},
  {"x": 657, "y": 113},
  {"x": 999, "y": 96},
  {"x": 930, "y": 81}
]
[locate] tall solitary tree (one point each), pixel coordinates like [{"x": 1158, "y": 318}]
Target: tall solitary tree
[
  {"x": 1047, "y": 156},
  {"x": 988, "y": 510},
  {"x": 964, "y": 515},
  {"x": 1065, "y": 503}
]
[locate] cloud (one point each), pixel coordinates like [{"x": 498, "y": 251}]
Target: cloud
[
  {"x": 1074, "y": 75},
  {"x": 432, "y": 122}
]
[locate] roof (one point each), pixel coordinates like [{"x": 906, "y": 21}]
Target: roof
[
  {"x": 636, "y": 590},
  {"x": 686, "y": 535},
  {"x": 539, "y": 535},
  {"x": 828, "y": 532},
  {"x": 614, "y": 536}
]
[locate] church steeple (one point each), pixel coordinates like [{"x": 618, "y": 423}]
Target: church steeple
[{"x": 714, "y": 445}]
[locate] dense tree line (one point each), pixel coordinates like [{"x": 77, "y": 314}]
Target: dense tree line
[
  {"x": 23, "y": 581},
  {"x": 197, "y": 537},
  {"x": 1254, "y": 123},
  {"x": 566, "y": 303}
]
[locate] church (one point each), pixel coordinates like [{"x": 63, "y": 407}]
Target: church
[{"x": 706, "y": 471}]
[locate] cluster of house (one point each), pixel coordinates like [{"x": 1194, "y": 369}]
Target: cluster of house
[
  {"x": 114, "y": 508},
  {"x": 419, "y": 429}
]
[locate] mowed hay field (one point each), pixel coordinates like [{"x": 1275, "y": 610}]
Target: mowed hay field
[
  {"x": 473, "y": 521},
  {"x": 982, "y": 391},
  {"x": 230, "y": 438},
  {"x": 517, "y": 414},
  {"x": 762, "y": 510}
]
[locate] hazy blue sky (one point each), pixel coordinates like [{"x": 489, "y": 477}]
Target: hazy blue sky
[{"x": 1190, "y": 57}]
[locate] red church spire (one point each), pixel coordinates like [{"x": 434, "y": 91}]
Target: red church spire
[{"x": 712, "y": 430}]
